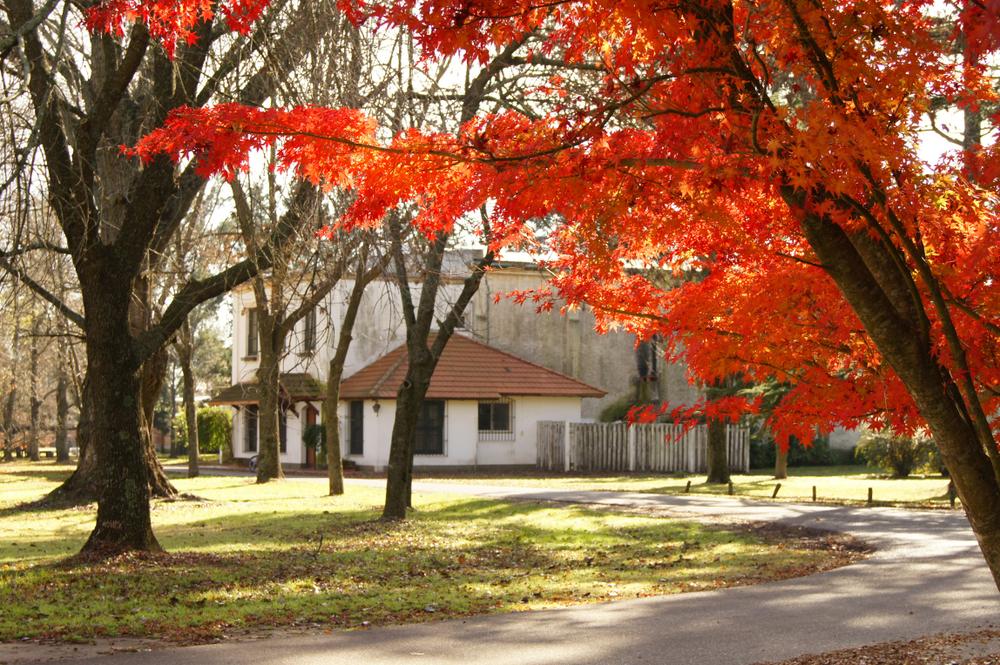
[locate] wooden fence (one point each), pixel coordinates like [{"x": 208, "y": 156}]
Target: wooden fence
[{"x": 657, "y": 447}]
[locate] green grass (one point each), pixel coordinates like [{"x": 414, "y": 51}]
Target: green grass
[
  {"x": 182, "y": 460},
  {"x": 246, "y": 557},
  {"x": 837, "y": 484}
]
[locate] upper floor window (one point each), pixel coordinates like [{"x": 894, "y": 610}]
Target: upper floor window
[
  {"x": 309, "y": 332},
  {"x": 253, "y": 332}
]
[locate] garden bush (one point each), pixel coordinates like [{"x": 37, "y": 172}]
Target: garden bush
[
  {"x": 215, "y": 428},
  {"x": 763, "y": 452},
  {"x": 898, "y": 455}
]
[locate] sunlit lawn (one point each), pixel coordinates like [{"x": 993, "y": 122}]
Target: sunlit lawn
[
  {"x": 245, "y": 557},
  {"x": 846, "y": 484}
]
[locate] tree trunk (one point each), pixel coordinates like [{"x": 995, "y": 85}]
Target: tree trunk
[
  {"x": 331, "y": 424},
  {"x": 114, "y": 390},
  {"x": 9, "y": 426},
  {"x": 268, "y": 452},
  {"x": 409, "y": 398},
  {"x": 62, "y": 416},
  {"x": 860, "y": 272},
  {"x": 718, "y": 453},
  {"x": 151, "y": 376},
  {"x": 35, "y": 404},
  {"x": 190, "y": 408},
  {"x": 780, "y": 462}
]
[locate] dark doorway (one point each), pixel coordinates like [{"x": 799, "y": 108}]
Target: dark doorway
[
  {"x": 356, "y": 422},
  {"x": 430, "y": 429},
  {"x": 310, "y": 421}
]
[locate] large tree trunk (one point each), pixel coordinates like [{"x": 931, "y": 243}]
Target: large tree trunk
[
  {"x": 870, "y": 284},
  {"x": 114, "y": 391},
  {"x": 62, "y": 416},
  {"x": 84, "y": 484},
  {"x": 718, "y": 453},
  {"x": 268, "y": 452},
  {"x": 151, "y": 376},
  {"x": 780, "y": 462}
]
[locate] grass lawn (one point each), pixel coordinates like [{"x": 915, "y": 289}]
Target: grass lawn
[
  {"x": 840, "y": 484},
  {"x": 243, "y": 558},
  {"x": 182, "y": 460}
]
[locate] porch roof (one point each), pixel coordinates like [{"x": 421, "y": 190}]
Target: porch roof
[{"x": 293, "y": 387}]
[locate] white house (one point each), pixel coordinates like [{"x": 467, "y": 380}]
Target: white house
[
  {"x": 556, "y": 345},
  {"x": 482, "y": 407}
]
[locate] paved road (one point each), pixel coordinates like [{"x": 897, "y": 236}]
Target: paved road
[{"x": 927, "y": 577}]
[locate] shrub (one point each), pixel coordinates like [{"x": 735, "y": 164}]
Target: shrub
[
  {"x": 215, "y": 429},
  {"x": 314, "y": 436},
  {"x": 819, "y": 453},
  {"x": 897, "y": 455}
]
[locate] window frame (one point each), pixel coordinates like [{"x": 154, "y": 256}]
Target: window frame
[
  {"x": 493, "y": 433},
  {"x": 309, "y": 330},
  {"x": 253, "y": 333}
]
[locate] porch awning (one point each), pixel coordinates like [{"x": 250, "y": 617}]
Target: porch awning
[{"x": 293, "y": 387}]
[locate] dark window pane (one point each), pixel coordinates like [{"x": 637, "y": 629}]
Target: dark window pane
[
  {"x": 252, "y": 334},
  {"x": 310, "y": 332},
  {"x": 430, "y": 429},
  {"x": 250, "y": 434},
  {"x": 356, "y": 422},
  {"x": 485, "y": 416},
  {"x": 501, "y": 417}
]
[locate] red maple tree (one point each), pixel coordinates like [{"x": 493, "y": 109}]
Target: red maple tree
[{"x": 772, "y": 148}]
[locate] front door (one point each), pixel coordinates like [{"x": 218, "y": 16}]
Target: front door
[
  {"x": 310, "y": 452},
  {"x": 430, "y": 428}
]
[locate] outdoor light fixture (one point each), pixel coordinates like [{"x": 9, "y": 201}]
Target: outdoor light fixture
[{"x": 376, "y": 406}]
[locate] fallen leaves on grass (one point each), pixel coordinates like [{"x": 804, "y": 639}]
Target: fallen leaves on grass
[{"x": 981, "y": 647}]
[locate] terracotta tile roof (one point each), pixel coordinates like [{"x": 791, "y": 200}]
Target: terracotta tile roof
[
  {"x": 467, "y": 370},
  {"x": 294, "y": 387}
]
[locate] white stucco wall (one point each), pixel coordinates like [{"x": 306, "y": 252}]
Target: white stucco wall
[
  {"x": 462, "y": 446},
  {"x": 295, "y": 451}
]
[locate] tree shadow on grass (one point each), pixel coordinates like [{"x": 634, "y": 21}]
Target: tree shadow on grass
[{"x": 345, "y": 567}]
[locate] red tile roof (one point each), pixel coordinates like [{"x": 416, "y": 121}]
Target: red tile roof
[{"x": 467, "y": 370}]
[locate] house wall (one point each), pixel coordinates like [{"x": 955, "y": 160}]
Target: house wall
[
  {"x": 567, "y": 342},
  {"x": 295, "y": 453},
  {"x": 462, "y": 446}
]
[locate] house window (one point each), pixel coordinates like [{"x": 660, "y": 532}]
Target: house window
[
  {"x": 309, "y": 332},
  {"x": 250, "y": 428},
  {"x": 356, "y": 424},
  {"x": 252, "y": 332},
  {"x": 430, "y": 428},
  {"x": 496, "y": 421}
]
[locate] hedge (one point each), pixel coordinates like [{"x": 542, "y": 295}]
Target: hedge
[{"x": 215, "y": 429}]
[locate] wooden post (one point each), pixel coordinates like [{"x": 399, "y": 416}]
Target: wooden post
[
  {"x": 688, "y": 488},
  {"x": 731, "y": 488},
  {"x": 567, "y": 441},
  {"x": 631, "y": 433},
  {"x": 870, "y": 496},
  {"x": 814, "y": 493},
  {"x": 774, "y": 494}
]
